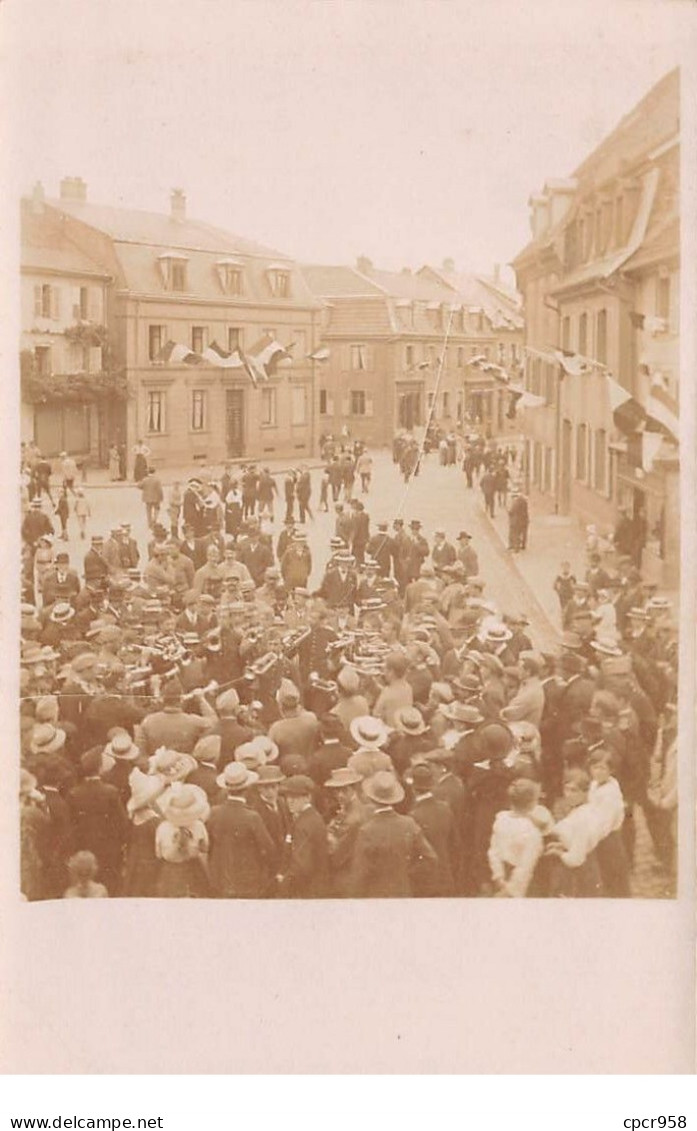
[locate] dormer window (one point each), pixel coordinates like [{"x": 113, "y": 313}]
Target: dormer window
[
  {"x": 173, "y": 270},
  {"x": 230, "y": 273},
  {"x": 279, "y": 280}
]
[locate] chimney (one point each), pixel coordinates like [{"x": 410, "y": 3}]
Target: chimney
[
  {"x": 448, "y": 264},
  {"x": 37, "y": 199},
  {"x": 364, "y": 265},
  {"x": 74, "y": 188},
  {"x": 178, "y": 204}
]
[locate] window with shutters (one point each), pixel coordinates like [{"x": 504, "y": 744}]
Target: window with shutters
[
  {"x": 298, "y": 405},
  {"x": 600, "y": 461},
  {"x": 84, "y": 304},
  {"x": 198, "y": 410},
  {"x": 230, "y": 276},
  {"x": 199, "y": 338},
  {"x": 46, "y": 301},
  {"x": 323, "y": 410},
  {"x": 155, "y": 418},
  {"x": 500, "y": 352},
  {"x": 583, "y": 335},
  {"x": 550, "y": 388},
  {"x": 359, "y": 357},
  {"x": 601, "y": 336},
  {"x": 446, "y": 404},
  {"x": 268, "y": 407},
  {"x": 460, "y": 357},
  {"x": 234, "y": 338},
  {"x": 582, "y": 452},
  {"x": 409, "y": 356},
  {"x": 357, "y": 402},
  {"x": 157, "y": 335}
]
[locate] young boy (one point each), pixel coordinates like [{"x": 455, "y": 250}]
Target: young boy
[
  {"x": 82, "y": 868},
  {"x": 516, "y": 839},
  {"x": 564, "y": 585}
]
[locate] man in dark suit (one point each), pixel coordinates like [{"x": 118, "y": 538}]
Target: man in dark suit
[
  {"x": 380, "y": 548},
  {"x": 305, "y": 868},
  {"x": 95, "y": 567},
  {"x": 265, "y": 799},
  {"x": 390, "y": 849},
  {"x": 241, "y": 852},
  {"x": 100, "y": 824},
  {"x": 340, "y": 584},
  {"x": 360, "y": 534},
  {"x": 256, "y": 555},
  {"x": 60, "y": 583},
  {"x": 436, "y": 821}
]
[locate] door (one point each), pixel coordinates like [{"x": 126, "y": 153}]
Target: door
[
  {"x": 60, "y": 428},
  {"x": 234, "y": 415}
]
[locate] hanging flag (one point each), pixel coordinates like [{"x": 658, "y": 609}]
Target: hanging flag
[
  {"x": 663, "y": 409},
  {"x": 521, "y": 398},
  {"x": 477, "y": 361},
  {"x": 253, "y": 371},
  {"x": 215, "y": 355},
  {"x": 636, "y": 319},
  {"x": 267, "y": 353},
  {"x": 322, "y": 354},
  {"x": 627, "y": 414},
  {"x": 572, "y": 363},
  {"x": 423, "y": 365},
  {"x": 175, "y": 354}
]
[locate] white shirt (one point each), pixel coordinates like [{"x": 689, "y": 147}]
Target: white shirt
[
  {"x": 608, "y": 803},
  {"x": 515, "y": 847},
  {"x": 579, "y": 833}
]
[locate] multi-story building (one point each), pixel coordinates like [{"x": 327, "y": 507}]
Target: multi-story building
[
  {"x": 400, "y": 347},
  {"x": 182, "y": 282},
  {"x": 600, "y": 284},
  {"x": 63, "y": 311}
]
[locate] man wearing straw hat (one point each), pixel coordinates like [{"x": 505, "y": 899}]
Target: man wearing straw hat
[
  {"x": 241, "y": 853},
  {"x": 390, "y": 847}
]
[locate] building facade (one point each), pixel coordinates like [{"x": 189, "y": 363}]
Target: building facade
[
  {"x": 400, "y": 350},
  {"x": 183, "y": 283},
  {"x": 64, "y": 299},
  {"x": 600, "y": 283}
]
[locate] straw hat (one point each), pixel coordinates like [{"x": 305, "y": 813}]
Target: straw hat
[
  {"x": 368, "y": 731},
  {"x": 46, "y": 739},
  {"x": 122, "y": 747},
  {"x": 145, "y": 789},
  {"x": 383, "y": 788},
  {"x": 236, "y": 777},
  {"x": 171, "y": 764},
  {"x": 343, "y": 777},
  {"x": 409, "y": 720},
  {"x": 183, "y": 804}
]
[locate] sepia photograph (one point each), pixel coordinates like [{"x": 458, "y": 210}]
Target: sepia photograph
[
  {"x": 348, "y": 573},
  {"x": 352, "y": 576}
]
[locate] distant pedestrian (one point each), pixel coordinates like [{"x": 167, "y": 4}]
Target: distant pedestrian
[
  {"x": 68, "y": 471},
  {"x": 488, "y": 487},
  {"x": 174, "y": 507},
  {"x": 140, "y": 464},
  {"x": 364, "y": 467},
  {"x": 151, "y": 490},
  {"x": 564, "y": 584},
  {"x": 63, "y": 511},
  {"x": 114, "y": 463}
]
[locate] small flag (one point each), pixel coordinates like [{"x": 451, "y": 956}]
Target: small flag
[
  {"x": 267, "y": 353},
  {"x": 628, "y": 415},
  {"x": 222, "y": 359},
  {"x": 572, "y": 363},
  {"x": 174, "y": 354},
  {"x": 322, "y": 354}
]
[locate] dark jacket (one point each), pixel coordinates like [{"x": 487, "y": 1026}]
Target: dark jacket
[
  {"x": 388, "y": 851},
  {"x": 241, "y": 852},
  {"x": 436, "y": 821},
  {"x": 306, "y": 867},
  {"x": 100, "y": 825}
]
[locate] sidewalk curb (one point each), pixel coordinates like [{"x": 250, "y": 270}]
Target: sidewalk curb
[{"x": 498, "y": 538}]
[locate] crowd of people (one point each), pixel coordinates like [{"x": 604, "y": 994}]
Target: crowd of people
[{"x": 199, "y": 720}]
